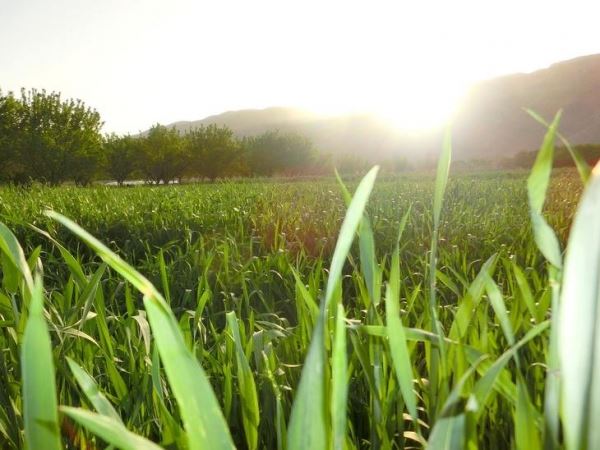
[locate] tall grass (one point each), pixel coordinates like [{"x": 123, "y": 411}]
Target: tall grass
[{"x": 251, "y": 331}]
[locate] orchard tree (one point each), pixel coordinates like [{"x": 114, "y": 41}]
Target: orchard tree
[
  {"x": 12, "y": 166},
  {"x": 351, "y": 164},
  {"x": 395, "y": 164},
  {"x": 213, "y": 152},
  {"x": 122, "y": 155},
  {"x": 275, "y": 152},
  {"x": 163, "y": 155},
  {"x": 59, "y": 139}
]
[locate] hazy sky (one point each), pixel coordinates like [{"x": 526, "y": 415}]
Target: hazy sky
[{"x": 144, "y": 61}]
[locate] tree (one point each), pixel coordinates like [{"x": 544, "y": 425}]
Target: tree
[
  {"x": 213, "y": 152},
  {"x": 59, "y": 140},
  {"x": 163, "y": 155},
  {"x": 12, "y": 167},
  {"x": 274, "y": 152},
  {"x": 351, "y": 164},
  {"x": 122, "y": 154},
  {"x": 395, "y": 164}
]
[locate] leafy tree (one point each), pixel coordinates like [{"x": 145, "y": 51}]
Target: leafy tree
[
  {"x": 395, "y": 164},
  {"x": 59, "y": 140},
  {"x": 163, "y": 155},
  {"x": 562, "y": 157},
  {"x": 122, "y": 155},
  {"x": 275, "y": 152},
  {"x": 12, "y": 166},
  {"x": 351, "y": 164},
  {"x": 213, "y": 152}
]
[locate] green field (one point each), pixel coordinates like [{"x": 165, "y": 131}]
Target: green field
[{"x": 244, "y": 267}]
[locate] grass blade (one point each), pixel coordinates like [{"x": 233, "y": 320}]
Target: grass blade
[
  {"x": 339, "y": 383},
  {"x": 579, "y": 324},
  {"x": 441, "y": 179},
  {"x": 582, "y": 166},
  {"x": 397, "y": 338},
  {"x": 348, "y": 229},
  {"x": 448, "y": 433},
  {"x": 469, "y": 302},
  {"x": 497, "y": 303},
  {"x": 9, "y": 245},
  {"x": 40, "y": 410},
  {"x": 537, "y": 186},
  {"x": 91, "y": 391},
  {"x": 547, "y": 243},
  {"x": 202, "y": 416},
  {"x": 438, "y": 356},
  {"x": 109, "y": 429},
  {"x": 308, "y": 418},
  {"x": 485, "y": 384},
  {"x": 526, "y": 432},
  {"x": 250, "y": 412}
]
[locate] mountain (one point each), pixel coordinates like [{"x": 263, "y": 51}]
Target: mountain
[
  {"x": 490, "y": 122},
  {"x": 347, "y": 134}
]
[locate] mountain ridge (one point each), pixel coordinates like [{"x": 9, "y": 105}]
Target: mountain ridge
[{"x": 489, "y": 123}]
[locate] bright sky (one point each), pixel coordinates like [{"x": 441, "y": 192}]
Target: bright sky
[{"x": 144, "y": 61}]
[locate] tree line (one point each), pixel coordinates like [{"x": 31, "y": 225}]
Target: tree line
[
  {"x": 47, "y": 139},
  {"x": 562, "y": 158}
]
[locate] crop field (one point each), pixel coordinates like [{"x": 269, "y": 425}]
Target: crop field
[{"x": 278, "y": 315}]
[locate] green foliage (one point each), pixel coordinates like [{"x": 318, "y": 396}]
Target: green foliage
[
  {"x": 199, "y": 409},
  {"x": 48, "y": 139},
  {"x": 40, "y": 412},
  {"x": 213, "y": 152},
  {"x": 275, "y": 152},
  {"x": 247, "y": 386},
  {"x": 13, "y": 167},
  {"x": 123, "y": 156},
  {"x": 399, "y": 352},
  {"x": 586, "y": 154},
  {"x": 339, "y": 382},
  {"x": 238, "y": 347},
  {"x": 579, "y": 327},
  {"x": 163, "y": 155},
  {"x": 109, "y": 429},
  {"x": 308, "y": 427}
]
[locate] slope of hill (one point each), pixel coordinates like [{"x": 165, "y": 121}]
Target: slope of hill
[
  {"x": 347, "y": 134},
  {"x": 490, "y": 122}
]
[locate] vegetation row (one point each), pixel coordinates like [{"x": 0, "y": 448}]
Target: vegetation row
[
  {"x": 47, "y": 139},
  {"x": 427, "y": 331}
]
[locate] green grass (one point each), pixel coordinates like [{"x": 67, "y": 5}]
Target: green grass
[{"x": 295, "y": 315}]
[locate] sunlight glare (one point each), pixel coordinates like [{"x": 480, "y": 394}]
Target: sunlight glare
[{"x": 408, "y": 62}]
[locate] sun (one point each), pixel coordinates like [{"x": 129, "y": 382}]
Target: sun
[
  {"x": 416, "y": 100},
  {"x": 416, "y": 105}
]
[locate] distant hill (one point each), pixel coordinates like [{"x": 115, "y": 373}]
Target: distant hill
[
  {"x": 348, "y": 134},
  {"x": 490, "y": 122}
]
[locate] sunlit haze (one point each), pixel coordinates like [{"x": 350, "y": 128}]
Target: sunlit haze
[{"x": 140, "y": 62}]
